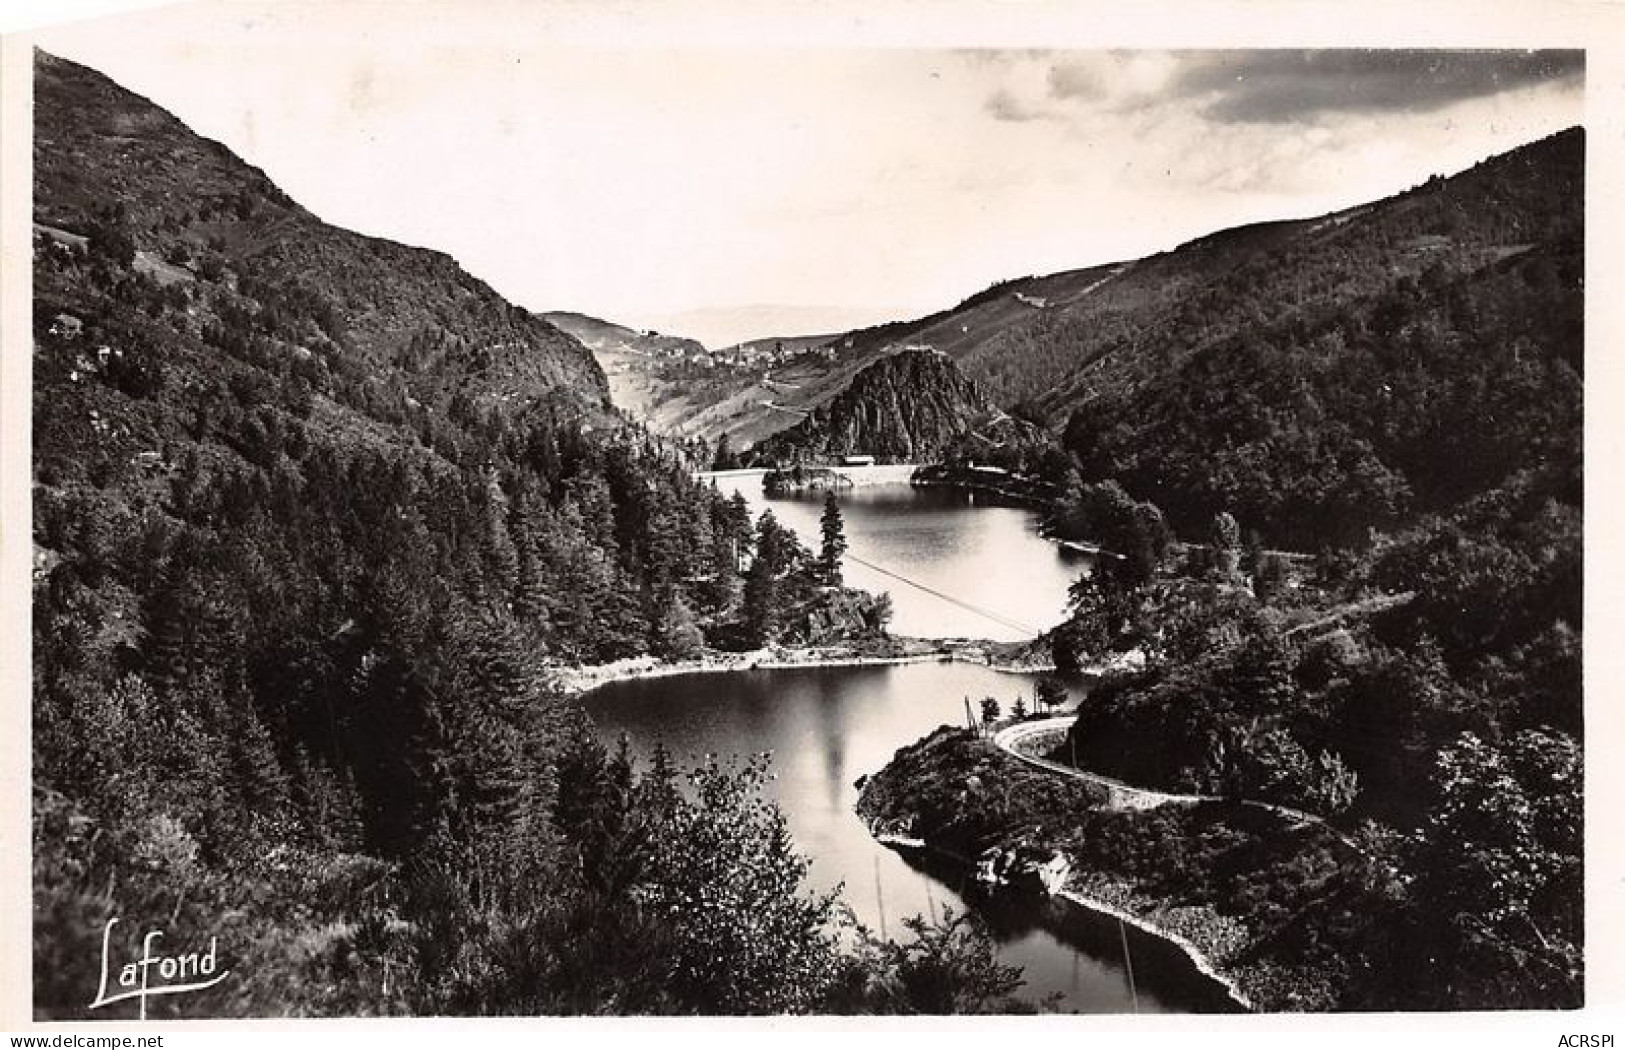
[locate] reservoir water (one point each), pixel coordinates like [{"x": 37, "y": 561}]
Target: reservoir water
[{"x": 825, "y": 727}]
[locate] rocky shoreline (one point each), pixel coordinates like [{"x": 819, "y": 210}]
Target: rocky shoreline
[
  {"x": 996, "y": 656},
  {"x": 584, "y": 679},
  {"x": 1199, "y": 957},
  {"x": 1090, "y": 893}
]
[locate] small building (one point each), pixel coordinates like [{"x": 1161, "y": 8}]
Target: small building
[
  {"x": 67, "y": 326},
  {"x": 857, "y": 460}
]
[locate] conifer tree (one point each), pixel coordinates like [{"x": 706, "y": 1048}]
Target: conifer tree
[
  {"x": 530, "y": 583},
  {"x": 258, "y": 781},
  {"x": 677, "y": 637},
  {"x": 725, "y": 458},
  {"x": 760, "y": 610},
  {"x": 834, "y": 542}
]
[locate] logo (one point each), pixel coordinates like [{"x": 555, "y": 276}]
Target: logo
[{"x": 153, "y": 974}]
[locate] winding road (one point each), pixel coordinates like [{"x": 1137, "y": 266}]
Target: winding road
[{"x": 1126, "y": 796}]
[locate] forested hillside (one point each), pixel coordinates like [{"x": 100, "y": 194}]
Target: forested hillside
[
  {"x": 1318, "y": 381},
  {"x": 1421, "y": 688},
  {"x": 314, "y": 517},
  {"x": 1419, "y": 681}
]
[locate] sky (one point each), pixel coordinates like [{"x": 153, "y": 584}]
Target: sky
[{"x": 729, "y": 186}]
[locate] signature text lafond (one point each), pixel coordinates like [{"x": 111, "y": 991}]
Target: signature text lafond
[{"x": 152, "y": 974}]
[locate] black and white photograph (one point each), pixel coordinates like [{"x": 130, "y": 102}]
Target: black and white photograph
[{"x": 535, "y": 513}]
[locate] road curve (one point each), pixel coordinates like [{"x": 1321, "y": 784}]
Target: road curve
[
  {"x": 1126, "y": 796},
  {"x": 1123, "y": 796}
]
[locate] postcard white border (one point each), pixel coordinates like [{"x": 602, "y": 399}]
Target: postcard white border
[{"x": 1595, "y": 27}]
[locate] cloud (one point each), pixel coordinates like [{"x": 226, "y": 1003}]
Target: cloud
[
  {"x": 1288, "y": 125},
  {"x": 1003, "y": 105},
  {"x": 1078, "y": 80},
  {"x": 1050, "y": 85},
  {"x": 1261, "y": 86},
  {"x": 1283, "y": 87},
  {"x": 1021, "y": 86}
]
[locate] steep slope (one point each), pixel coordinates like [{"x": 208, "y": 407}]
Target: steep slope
[
  {"x": 109, "y": 164},
  {"x": 1061, "y": 340},
  {"x": 1217, "y": 287},
  {"x": 908, "y": 406},
  {"x": 1418, "y": 356},
  {"x": 1316, "y": 427}
]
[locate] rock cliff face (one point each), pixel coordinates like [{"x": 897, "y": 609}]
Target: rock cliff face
[{"x": 906, "y": 407}]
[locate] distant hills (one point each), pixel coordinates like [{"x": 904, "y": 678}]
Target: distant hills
[
  {"x": 608, "y": 337},
  {"x": 1086, "y": 339}
]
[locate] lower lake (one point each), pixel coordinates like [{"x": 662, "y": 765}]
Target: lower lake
[{"x": 826, "y": 727}]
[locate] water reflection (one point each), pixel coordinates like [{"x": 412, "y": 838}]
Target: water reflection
[
  {"x": 827, "y": 726},
  {"x": 833, "y": 739},
  {"x": 1101, "y": 952}
]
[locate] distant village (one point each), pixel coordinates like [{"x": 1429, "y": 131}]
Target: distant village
[
  {"x": 756, "y": 354},
  {"x": 778, "y": 351},
  {"x": 769, "y": 352}
]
